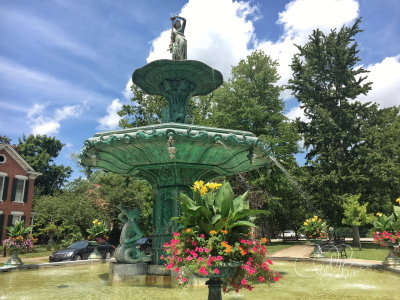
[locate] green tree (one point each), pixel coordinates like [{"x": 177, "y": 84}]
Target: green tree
[
  {"x": 250, "y": 100},
  {"x": 128, "y": 192},
  {"x": 39, "y": 151},
  {"x": 4, "y": 139},
  {"x": 145, "y": 110},
  {"x": 326, "y": 80},
  {"x": 355, "y": 215}
]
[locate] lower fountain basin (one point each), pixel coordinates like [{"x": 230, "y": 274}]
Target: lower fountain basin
[{"x": 300, "y": 281}]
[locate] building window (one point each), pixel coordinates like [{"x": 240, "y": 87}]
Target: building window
[
  {"x": 2, "y": 159},
  {"x": 19, "y": 190},
  {"x": 2, "y": 179},
  {"x": 17, "y": 216}
]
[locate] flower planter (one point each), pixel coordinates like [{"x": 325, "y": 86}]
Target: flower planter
[
  {"x": 95, "y": 255},
  {"x": 227, "y": 270},
  {"x": 14, "y": 260},
  {"x": 393, "y": 259}
]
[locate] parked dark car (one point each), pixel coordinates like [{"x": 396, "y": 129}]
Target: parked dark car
[
  {"x": 144, "y": 244},
  {"x": 81, "y": 250}
]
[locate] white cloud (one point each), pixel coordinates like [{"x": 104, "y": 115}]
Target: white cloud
[
  {"x": 297, "y": 112},
  {"x": 385, "y": 78},
  {"x": 299, "y": 19},
  {"x": 111, "y": 120},
  {"x": 35, "y": 110},
  {"x": 218, "y": 33},
  {"x": 228, "y": 34},
  {"x": 50, "y": 125},
  {"x": 127, "y": 91}
]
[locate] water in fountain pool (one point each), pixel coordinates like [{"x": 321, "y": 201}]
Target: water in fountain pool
[{"x": 300, "y": 281}]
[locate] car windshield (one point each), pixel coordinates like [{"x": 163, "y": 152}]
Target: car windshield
[{"x": 80, "y": 244}]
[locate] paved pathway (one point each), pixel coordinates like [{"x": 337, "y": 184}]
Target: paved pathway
[
  {"x": 298, "y": 251},
  {"x": 304, "y": 251}
]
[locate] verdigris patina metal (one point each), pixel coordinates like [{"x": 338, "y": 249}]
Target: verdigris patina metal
[
  {"x": 172, "y": 155},
  {"x": 178, "y": 44},
  {"x": 126, "y": 251},
  {"x": 177, "y": 82}
]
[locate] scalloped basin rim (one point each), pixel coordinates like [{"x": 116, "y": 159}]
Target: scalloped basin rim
[
  {"x": 151, "y": 76},
  {"x": 173, "y": 126}
]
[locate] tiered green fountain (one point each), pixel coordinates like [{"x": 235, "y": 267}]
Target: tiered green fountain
[{"x": 174, "y": 154}]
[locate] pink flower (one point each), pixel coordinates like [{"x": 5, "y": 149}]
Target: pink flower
[
  {"x": 216, "y": 271},
  {"x": 165, "y": 244},
  {"x": 212, "y": 258},
  {"x": 184, "y": 279},
  {"x": 219, "y": 257},
  {"x": 200, "y": 249},
  {"x": 176, "y": 269},
  {"x": 276, "y": 278},
  {"x": 189, "y": 258},
  {"x": 161, "y": 256},
  {"x": 243, "y": 241},
  {"x": 209, "y": 263},
  {"x": 248, "y": 242},
  {"x": 269, "y": 261},
  {"x": 264, "y": 265},
  {"x": 202, "y": 235},
  {"x": 252, "y": 271},
  {"x": 243, "y": 281},
  {"x": 200, "y": 259},
  {"x": 179, "y": 259},
  {"x": 206, "y": 250},
  {"x": 187, "y": 250},
  {"x": 176, "y": 234},
  {"x": 195, "y": 254},
  {"x": 194, "y": 243},
  {"x": 261, "y": 279}
]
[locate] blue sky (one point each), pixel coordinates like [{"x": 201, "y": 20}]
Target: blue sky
[{"x": 65, "y": 65}]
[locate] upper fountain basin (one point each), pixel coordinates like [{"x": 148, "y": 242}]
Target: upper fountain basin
[{"x": 166, "y": 151}]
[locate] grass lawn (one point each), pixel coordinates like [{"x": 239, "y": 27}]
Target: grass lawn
[{"x": 370, "y": 251}]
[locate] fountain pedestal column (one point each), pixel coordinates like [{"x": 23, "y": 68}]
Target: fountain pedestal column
[{"x": 165, "y": 207}]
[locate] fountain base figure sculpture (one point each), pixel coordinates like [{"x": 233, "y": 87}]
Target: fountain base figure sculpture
[{"x": 127, "y": 252}]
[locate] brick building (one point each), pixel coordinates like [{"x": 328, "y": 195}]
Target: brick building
[{"x": 16, "y": 189}]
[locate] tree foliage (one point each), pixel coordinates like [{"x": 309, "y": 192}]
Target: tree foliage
[
  {"x": 39, "y": 151},
  {"x": 352, "y": 146}
]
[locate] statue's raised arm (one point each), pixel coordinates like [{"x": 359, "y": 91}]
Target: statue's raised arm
[{"x": 178, "y": 45}]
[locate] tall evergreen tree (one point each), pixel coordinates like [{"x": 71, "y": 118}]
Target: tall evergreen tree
[{"x": 327, "y": 80}]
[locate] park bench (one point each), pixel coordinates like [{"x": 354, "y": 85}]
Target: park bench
[{"x": 334, "y": 244}]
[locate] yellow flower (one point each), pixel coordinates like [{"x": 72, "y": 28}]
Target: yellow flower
[
  {"x": 199, "y": 183},
  {"x": 379, "y": 214},
  {"x": 264, "y": 240},
  {"x": 203, "y": 190},
  {"x": 188, "y": 230},
  {"x": 224, "y": 231},
  {"x": 225, "y": 244},
  {"x": 305, "y": 223},
  {"x": 213, "y": 232},
  {"x": 398, "y": 200},
  {"x": 95, "y": 221},
  {"x": 213, "y": 185}
]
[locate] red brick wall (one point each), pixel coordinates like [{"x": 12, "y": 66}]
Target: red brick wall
[{"x": 12, "y": 168}]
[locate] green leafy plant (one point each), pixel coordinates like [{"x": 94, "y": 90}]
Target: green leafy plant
[
  {"x": 314, "y": 228},
  {"x": 98, "y": 231},
  {"x": 19, "y": 237},
  {"x": 216, "y": 238},
  {"x": 214, "y": 207}
]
